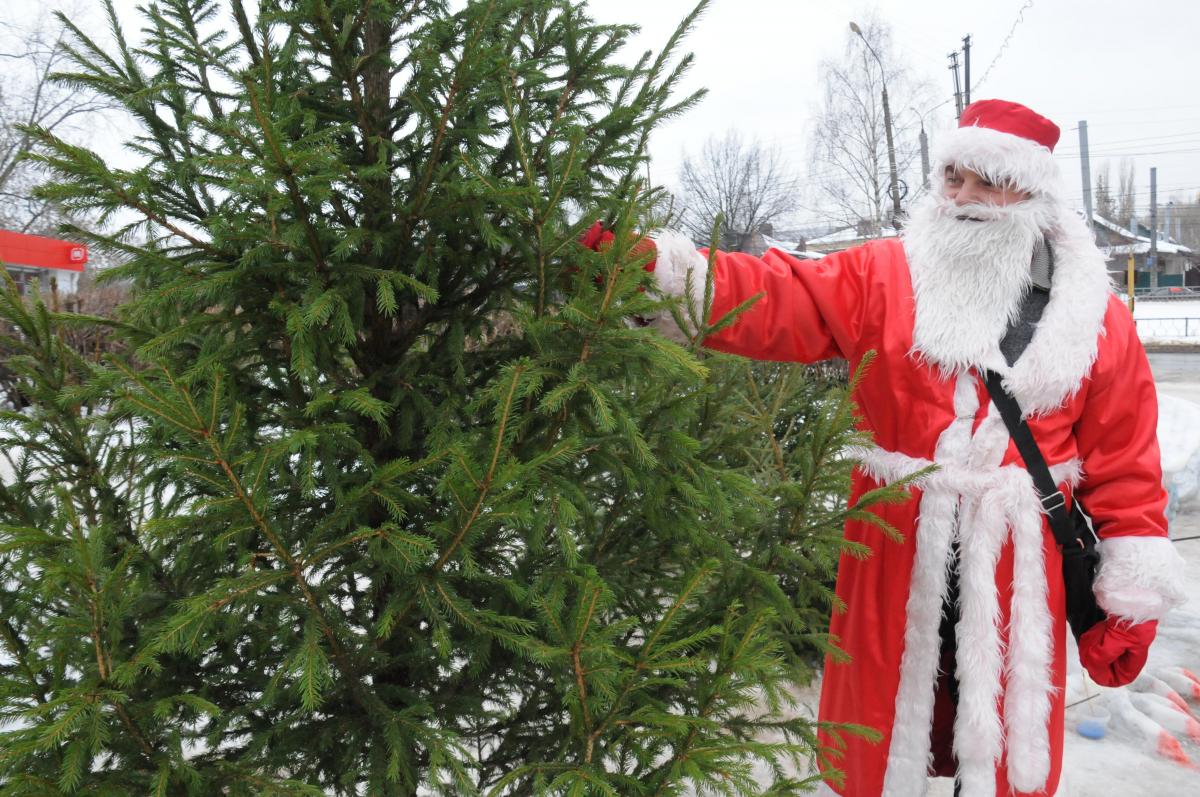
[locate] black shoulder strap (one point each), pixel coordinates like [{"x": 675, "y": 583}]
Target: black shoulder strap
[{"x": 1053, "y": 501}]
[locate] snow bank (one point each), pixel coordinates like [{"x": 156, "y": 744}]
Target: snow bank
[
  {"x": 1168, "y": 321},
  {"x": 1179, "y": 440}
]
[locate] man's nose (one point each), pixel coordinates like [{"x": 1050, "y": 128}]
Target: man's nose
[{"x": 967, "y": 194}]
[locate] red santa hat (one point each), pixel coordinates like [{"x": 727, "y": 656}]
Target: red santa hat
[{"x": 1006, "y": 142}]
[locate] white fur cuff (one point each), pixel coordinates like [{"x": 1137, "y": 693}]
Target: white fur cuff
[
  {"x": 677, "y": 257},
  {"x": 1140, "y": 578}
]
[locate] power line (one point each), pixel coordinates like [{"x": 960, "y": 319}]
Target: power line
[
  {"x": 1004, "y": 44},
  {"x": 1127, "y": 109},
  {"x": 1132, "y": 153},
  {"x": 1116, "y": 193},
  {"x": 1135, "y": 140}
]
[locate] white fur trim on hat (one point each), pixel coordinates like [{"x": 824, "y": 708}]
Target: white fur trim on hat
[
  {"x": 677, "y": 258},
  {"x": 1001, "y": 157},
  {"x": 1140, "y": 578}
]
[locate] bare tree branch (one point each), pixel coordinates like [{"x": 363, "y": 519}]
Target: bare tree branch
[
  {"x": 745, "y": 183},
  {"x": 849, "y": 180},
  {"x": 30, "y": 97},
  {"x": 1126, "y": 206}
]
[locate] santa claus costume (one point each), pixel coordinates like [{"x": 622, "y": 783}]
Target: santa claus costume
[{"x": 935, "y": 306}]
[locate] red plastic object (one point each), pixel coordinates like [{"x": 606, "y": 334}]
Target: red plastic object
[{"x": 36, "y": 251}]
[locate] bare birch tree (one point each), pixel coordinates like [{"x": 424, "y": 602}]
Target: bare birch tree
[
  {"x": 30, "y": 54},
  {"x": 850, "y": 180},
  {"x": 746, "y": 183},
  {"x": 1126, "y": 206},
  {"x": 1106, "y": 204}
]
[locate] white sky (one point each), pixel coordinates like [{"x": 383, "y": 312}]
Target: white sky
[{"x": 1127, "y": 68}]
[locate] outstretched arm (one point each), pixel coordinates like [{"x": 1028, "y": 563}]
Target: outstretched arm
[{"x": 808, "y": 310}]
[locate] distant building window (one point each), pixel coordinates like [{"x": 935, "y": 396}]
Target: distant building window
[{"x": 27, "y": 279}]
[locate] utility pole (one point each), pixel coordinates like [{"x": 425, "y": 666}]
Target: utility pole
[
  {"x": 958, "y": 99},
  {"x": 1153, "y": 227},
  {"x": 966, "y": 70},
  {"x": 1086, "y": 166},
  {"x": 887, "y": 124}
]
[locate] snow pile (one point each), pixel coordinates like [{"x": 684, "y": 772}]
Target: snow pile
[
  {"x": 1169, "y": 321},
  {"x": 1179, "y": 440}
]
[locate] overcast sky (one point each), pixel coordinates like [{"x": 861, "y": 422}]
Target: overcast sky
[{"x": 1129, "y": 69}]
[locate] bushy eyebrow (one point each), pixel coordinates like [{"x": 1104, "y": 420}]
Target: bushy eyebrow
[{"x": 955, "y": 171}]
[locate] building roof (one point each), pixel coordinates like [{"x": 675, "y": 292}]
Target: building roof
[
  {"x": 847, "y": 237},
  {"x": 851, "y": 235},
  {"x": 791, "y": 248},
  {"x": 1138, "y": 244}
]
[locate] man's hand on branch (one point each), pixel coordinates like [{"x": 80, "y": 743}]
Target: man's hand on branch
[
  {"x": 599, "y": 239},
  {"x": 680, "y": 272}
]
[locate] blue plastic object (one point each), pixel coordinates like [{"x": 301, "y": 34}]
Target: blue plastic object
[{"x": 1092, "y": 729}]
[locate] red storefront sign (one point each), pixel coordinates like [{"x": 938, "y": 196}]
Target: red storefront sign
[{"x": 36, "y": 251}]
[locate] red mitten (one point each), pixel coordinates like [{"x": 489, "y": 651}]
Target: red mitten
[
  {"x": 1114, "y": 651},
  {"x": 599, "y": 239}
]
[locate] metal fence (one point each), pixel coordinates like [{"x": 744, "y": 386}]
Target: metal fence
[{"x": 1169, "y": 327}]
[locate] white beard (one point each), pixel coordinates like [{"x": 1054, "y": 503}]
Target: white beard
[{"x": 969, "y": 276}]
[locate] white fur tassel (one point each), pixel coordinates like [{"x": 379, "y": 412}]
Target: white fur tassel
[
  {"x": 1031, "y": 646},
  {"x": 908, "y": 755}
]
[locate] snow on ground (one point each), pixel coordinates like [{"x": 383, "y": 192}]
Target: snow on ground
[
  {"x": 1168, "y": 321},
  {"x": 1179, "y": 439}
]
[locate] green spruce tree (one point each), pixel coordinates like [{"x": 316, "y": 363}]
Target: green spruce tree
[{"x": 381, "y": 492}]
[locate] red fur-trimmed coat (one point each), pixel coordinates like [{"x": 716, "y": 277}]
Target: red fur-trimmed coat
[{"x": 1084, "y": 383}]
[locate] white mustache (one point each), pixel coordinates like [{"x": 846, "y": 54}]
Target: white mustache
[{"x": 978, "y": 212}]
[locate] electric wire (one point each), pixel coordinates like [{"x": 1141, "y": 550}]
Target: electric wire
[{"x": 1003, "y": 45}]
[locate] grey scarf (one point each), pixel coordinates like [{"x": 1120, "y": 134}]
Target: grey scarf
[{"x": 1020, "y": 331}]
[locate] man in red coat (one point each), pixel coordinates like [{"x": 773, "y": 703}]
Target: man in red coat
[{"x": 957, "y": 636}]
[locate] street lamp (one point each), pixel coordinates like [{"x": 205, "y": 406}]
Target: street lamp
[{"x": 887, "y": 126}]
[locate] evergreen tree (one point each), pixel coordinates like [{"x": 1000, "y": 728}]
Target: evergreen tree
[{"x": 381, "y": 492}]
